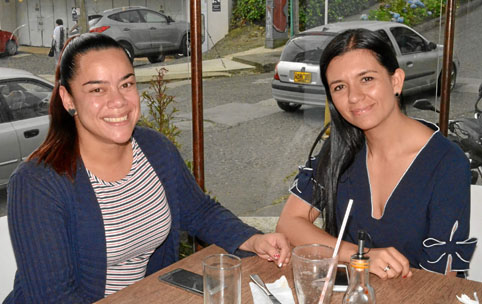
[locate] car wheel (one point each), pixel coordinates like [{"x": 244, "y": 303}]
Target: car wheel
[
  {"x": 156, "y": 58},
  {"x": 11, "y": 48},
  {"x": 185, "y": 46},
  {"x": 128, "y": 49},
  {"x": 453, "y": 80},
  {"x": 288, "y": 106}
]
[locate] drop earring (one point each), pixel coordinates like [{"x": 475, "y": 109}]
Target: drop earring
[{"x": 72, "y": 112}]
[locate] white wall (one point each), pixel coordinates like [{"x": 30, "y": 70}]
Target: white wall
[
  {"x": 475, "y": 272},
  {"x": 7, "y": 10},
  {"x": 178, "y": 10},
  {"x": 7, "y": 260},
  {"x": 39, "y": 16},
  {"x": 218, "y": 22}
]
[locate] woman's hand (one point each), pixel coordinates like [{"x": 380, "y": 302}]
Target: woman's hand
[
  {"x": 272, "y": 247},
  {"x": 388, "y": 263}
]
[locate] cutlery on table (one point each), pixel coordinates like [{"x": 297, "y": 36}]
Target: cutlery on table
[{"x": 257, "y": 280}]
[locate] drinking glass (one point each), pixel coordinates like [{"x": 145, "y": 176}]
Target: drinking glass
[
  {"x": 311, "y": 265},
  {"x": 222, "y": 279}
]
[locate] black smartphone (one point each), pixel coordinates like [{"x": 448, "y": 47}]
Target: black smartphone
[
  {"x": 342, "y": 278},
  {"x": 184, "y": 279}
]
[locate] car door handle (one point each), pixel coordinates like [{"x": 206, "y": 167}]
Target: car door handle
[
  {"x": 126, "y": 29},
  {"x": 410, "y": 64},
  {"x": 153, "y": 28},
  {"x": 31, "y": 133}
]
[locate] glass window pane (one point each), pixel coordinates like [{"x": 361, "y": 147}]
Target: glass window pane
[
  {"x": 306, "y": 49},
  {"x": 150, "y": 17},
  {"x": 26, "y": 99},
  {"x": 408, "y": 41}
]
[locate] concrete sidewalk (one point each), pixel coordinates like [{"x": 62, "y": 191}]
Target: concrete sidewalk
[{"x": 258, "y": 59}]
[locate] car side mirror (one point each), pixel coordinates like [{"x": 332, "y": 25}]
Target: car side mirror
[
  {"x": 169, "y": 19},
  {"x": 432, "y": 46}
]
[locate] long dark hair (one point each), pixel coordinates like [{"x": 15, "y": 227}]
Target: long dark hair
[
  {"x": 61, "y": 148},
  {"x": 345, "y": 140}
]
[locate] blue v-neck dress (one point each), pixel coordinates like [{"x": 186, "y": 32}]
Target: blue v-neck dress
[{"x": 426, "y": 218}]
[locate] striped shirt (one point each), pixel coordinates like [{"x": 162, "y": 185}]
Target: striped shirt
[{"x": 136, "y": 218}]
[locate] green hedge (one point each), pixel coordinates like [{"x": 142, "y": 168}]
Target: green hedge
[
  {"x": 249, "y": 11},
  {"x": 312, "y": 12},
  {"x": 410, "y": 12}
]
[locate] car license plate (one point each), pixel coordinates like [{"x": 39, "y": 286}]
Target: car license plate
[{"x": 302, "y": 77}]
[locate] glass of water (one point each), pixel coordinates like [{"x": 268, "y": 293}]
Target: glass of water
[
  {"x": 311, "y": 266},
  {"x": 222, "y": 279}
]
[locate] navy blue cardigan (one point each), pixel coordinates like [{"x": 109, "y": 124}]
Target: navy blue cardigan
[{"x": 57, "y": 230}]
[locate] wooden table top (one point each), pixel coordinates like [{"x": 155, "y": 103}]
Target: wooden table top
[{"x": 422, "y": 287}]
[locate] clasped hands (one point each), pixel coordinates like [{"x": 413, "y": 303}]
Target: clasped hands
[{"x": 273, "y": 247}]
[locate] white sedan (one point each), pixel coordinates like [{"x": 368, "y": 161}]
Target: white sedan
[
  {"x": 24, "y": 120},
  {"x": 297, "y": 78}
]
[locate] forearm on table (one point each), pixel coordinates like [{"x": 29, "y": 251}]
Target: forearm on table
[
  {"x": 301, "y": 231},
  {"x": 248, "y": 245}
]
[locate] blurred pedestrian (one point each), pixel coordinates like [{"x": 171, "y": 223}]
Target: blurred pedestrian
[{"x": 58, "y": 38}]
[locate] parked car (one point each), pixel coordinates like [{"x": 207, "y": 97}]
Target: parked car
[
  {"x": 8, "y": 43},
  {"x": 297, "y": 78},
  {"x": 24, "y": 120},
  {"x": 143, "y": 32},
  {"x": 91, "y": 19}
]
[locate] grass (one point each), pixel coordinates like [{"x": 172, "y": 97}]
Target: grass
[{"x": 239, "y": 39}]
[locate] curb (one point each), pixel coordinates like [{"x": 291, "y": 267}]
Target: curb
[
  {"x": 262, "y": 62},
  {"x": 180, "y": 76}
]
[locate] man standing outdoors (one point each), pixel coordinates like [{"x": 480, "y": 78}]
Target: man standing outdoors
[{"x": 58, "y": 38}]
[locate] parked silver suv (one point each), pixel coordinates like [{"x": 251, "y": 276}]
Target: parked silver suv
[{"x": 143, "y": 32}]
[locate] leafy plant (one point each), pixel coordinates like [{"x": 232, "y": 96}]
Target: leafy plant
[
  {"x": 409, "y": 12},
  {"x": 312, "y": 12},
  {"x": 249, "y": 11},
  {"x": 160, "y": 118}
]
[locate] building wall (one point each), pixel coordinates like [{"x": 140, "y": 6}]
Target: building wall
[
  {"x": 38, "y": 16},
  {"x": 7, "y": 9},
  {"x": 217, "y": 22}
]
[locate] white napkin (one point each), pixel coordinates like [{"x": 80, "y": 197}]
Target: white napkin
[
  {"x": 465, "y": 299},
  {"x": 280, "y": 289}
]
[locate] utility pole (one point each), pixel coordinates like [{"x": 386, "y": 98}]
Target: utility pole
[
  {"x": 326, "y": 12},
  {"x": 82, "y": 22},
  {"x": 294, "y": 17}
]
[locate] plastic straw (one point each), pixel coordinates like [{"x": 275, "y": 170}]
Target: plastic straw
[{"x": 335, "y": 252}]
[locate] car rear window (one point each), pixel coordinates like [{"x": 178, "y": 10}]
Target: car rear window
[
  {"x": 93, "y": 21},
  {"x": 306, "y": 48}
]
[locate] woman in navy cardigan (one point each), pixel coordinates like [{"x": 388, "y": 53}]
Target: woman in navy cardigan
[{"x": 101, "y": 196}]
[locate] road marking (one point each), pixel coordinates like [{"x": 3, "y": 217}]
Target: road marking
[
  {"x": 263, "y": 81},
  {"x": 230, "y": 114}
]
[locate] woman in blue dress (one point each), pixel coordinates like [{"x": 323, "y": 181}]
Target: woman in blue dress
[{"x": 410, "y": 185}]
